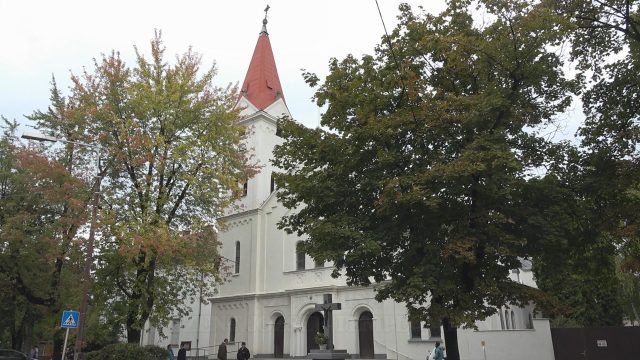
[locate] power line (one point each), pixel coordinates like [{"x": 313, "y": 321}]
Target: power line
[{"x": 395, "y": 60}]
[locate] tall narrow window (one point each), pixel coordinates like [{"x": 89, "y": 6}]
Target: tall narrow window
[
  {"x": 232, "y": 330},
  {"x": 416, "y": 329},
  {"x": 434, "y": 332},
  {"x": 506, "y": 318},
  {"x": 237, "y": 267},
  {"x": 501, "y": 320},
  {"x": 245, "y": 188},
  {"x": 273, "y": 183},
  {"x": 300, "y": 256},
  {"x": 513, "y": 320}
]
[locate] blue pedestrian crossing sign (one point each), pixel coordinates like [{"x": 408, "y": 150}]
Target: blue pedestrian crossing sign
[{"x": 70, "y": 319}]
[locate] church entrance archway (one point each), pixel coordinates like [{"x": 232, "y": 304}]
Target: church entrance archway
[
  {"x": 314, "y": 324},
  {"x": 365, "y": 335},
  {"x": 278, "y": 338}
]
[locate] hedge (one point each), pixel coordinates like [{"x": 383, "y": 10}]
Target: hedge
[{"x": 128, "y": 352}]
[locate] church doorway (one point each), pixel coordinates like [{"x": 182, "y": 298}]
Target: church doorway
[
  {"x": 314, "y": 324},
  {"x": 365, "y": 335},
  {"x": 278, "y": 338}
]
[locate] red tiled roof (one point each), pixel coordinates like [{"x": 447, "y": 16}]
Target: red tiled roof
[{"x": 261, "y": 85}]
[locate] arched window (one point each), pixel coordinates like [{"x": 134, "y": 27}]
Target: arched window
[
  {"x": 416, "y": 329},
  {"x": 232, "y": 330},
  {"x": 300, "y": 256},
  {"x": 245, "y": 188},
  {"x": 506, "y": 318},
  {"x": 237, "y": 265},
  {"x": 501, "y": 320},
  {"x": 273, "y": 184},
  {"x": 513, "y": 320},
  {"x": 530, "y": 323}
]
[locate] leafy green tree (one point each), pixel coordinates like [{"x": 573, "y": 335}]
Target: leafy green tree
[
  {"x": 171, "y": 159},
  {"x": 417, "y": 181},
  {"x": 574, "y": 263},
  {"x": 40, "y": 206},
  {"x": 605, "y": 43}
]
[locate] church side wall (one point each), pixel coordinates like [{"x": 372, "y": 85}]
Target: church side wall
[
  {"x": 270, "y": 309},
  {"x": 240, "y": 229},
  {"x": 522, "y": 344},
  {"x": 241, "y": 311},
  {"x": 194, "y": 328},
  {"x": 280, "y": 271}
]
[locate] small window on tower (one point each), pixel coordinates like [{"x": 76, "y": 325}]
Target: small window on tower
[
  {"x": 300, "y": 256},
  {"x": 245, "y": 188},
  {"x": 237, "y": 263},
  {"x": 273, "y": 183}
]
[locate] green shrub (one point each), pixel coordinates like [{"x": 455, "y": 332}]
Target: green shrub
[{"x": 128, "y": 352}]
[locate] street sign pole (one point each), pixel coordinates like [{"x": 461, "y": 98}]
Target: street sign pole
[{"x": 64, "y": 348}]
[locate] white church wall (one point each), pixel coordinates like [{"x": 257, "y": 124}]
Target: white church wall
[
  {"x": 522, "y": 344},
  {"x": 247, "y": 108},
  {"x": 239, "y": 228},
  {"x": 278, "y": 109},
  {"x": 280, "y": 271},
  {"x": 259, "y": 143},
  {"x": 273, "y": 307},
  {"x": 398, "y": 334},
  {"x": 355, "y": 302},
  {"x": 224, "y": 313}
]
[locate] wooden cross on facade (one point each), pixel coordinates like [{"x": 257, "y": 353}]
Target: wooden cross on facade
[{"x": 327, "y": 307}]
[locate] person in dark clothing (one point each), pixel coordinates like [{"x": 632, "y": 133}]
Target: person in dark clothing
[
  {"x": 222, "y": 350},
  {"x": 182, "y": 353},
  {"x": 243, "y": 352}
]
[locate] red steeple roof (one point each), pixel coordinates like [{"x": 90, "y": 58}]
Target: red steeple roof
[{"x": 261, "y": 85}]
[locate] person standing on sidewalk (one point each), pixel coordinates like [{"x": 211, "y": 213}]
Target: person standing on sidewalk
[
  {"x": 243, "y": 352},
  {"x": 438, "y": 352},
  {"x": 222, "y": 350},
  {"x": 182, "y": 353}
]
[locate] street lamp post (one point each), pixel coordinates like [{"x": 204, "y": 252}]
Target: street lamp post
[{"x": 86, "y": 273}]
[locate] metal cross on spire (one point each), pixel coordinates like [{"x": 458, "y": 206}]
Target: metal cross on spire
[{"x": 264, "y": 21}]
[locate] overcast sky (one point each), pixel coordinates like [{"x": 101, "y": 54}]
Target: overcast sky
[
  {"x": 54, "y": 37},
  {"x": 44, "y": 38}
]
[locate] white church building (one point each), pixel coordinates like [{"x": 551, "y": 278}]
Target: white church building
[{"x": 269, "y": 299}]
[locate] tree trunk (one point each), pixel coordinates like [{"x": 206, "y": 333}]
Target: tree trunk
[
  {"x": 133, "y": 329},
  {"x": 451, "y": 340},
  {"x": 133, "y": 335}
]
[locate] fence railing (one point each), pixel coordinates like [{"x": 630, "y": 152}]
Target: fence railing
[{"x": 211, "y": 352}]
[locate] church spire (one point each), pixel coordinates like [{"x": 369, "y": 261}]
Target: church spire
[{"x": 261, "y": 86}]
